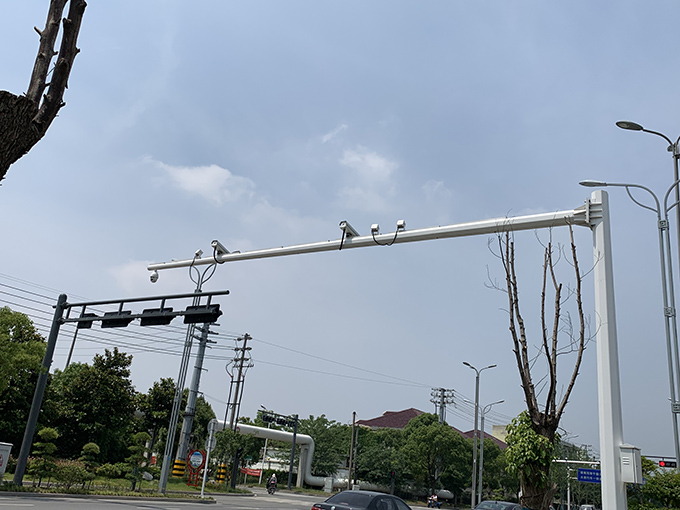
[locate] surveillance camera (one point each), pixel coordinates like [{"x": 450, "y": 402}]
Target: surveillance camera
[
  {"x": 154, "y": 277},
  {"x": 401, "y": 225},
  {"x": 375, "y": 228},
  {"x": 348, "y": 229},
  {"x": 219, "y": 248},
  {"x": 198, "y": 254}
]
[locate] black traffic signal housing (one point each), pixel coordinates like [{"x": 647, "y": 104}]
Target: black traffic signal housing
[
  {"x": 157, "y": 316},
  {"x": 119, "y": 319},
  {"x": 202, "y": 314},
  {"x": 668, "y": 463},
  {"x": 86, "y": 320}
]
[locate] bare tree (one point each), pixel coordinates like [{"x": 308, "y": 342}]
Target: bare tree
[
  {"x": 24, "y": 119},
  {"x": 543, "y": 411}
]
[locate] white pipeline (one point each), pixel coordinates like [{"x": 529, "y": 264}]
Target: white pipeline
[{"x": 305, "y": 442}]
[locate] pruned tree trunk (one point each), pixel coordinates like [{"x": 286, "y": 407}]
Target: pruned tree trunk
[
  {"x": 544, "y": 414},
  {"x": 24, "y": 120}
]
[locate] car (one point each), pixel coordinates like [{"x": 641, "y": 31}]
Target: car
[
  {"x": 362, "y": 500},
  {"x": 498, "y": 505},
  {"x": 587, "y": 507}
]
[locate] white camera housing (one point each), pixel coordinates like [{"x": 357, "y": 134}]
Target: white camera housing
[
  {"x": 219, "y": 248},
  {"x": 348, "y": 229},
  {"x": 375, "y": 229},
  {"x": 198, "y": 254},
  {"x": 401, "y": 225},
  {"x": 154, "y": 277}
]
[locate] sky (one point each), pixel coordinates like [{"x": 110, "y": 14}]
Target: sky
[{"x": 266, "y": 123}]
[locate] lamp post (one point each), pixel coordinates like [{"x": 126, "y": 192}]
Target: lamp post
[
  {"x": 674, "y": 149},
  {"x": 485, "y": 410},
  {"x": 474, "y": 447},
  {"x": 264, "y": 453},
  {"x": 670, "y": 322}
]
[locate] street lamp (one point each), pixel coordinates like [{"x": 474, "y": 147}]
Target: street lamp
[
  {"x": 485, "y": 410},
  {"x": 474, "y": 447},
  {"x": 674, "y": 149},
  {"x": 670, "y": 321}
]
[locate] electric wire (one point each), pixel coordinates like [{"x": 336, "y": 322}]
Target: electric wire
[{"x": 162, "y": 341}]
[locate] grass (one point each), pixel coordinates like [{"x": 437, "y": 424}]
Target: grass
[{"x": 176, "y": 487}]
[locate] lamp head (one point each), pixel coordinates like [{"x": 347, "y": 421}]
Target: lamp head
[
  {"x": 593, "y": 184},
  {"x": 630, "y": 126}
]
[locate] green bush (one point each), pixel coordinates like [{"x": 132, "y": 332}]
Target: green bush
[
  {"x": 109, "y": 471},
  {"x": 11, "y": 465},
  {"x": 72, "y": 472}
]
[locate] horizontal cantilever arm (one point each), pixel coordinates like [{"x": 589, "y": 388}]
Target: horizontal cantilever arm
[{"x": 579, "y": 216}]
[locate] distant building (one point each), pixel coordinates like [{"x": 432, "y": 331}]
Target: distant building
[
  {"x": 391, "y": 419},
  {"x": 399, "y": 420}
]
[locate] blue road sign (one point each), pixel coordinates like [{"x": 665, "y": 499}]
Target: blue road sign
[{"x": 589, "y": 475}]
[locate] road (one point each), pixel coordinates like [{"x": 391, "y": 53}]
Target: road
[{"x": 260, "y": 501}]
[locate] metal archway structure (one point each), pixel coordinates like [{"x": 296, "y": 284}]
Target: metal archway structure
[{"x": 594, "y": 215}]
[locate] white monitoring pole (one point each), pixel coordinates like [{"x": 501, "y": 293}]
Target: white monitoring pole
[
  {"x": 608, "y": 385},
  {"x": 594, "y": 215}
]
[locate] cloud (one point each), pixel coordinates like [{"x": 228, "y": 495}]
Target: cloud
[
  {"x": 371, "y": 178},
  {"x": 328, "y": 136},
  {"x": 211, "y": 182},
  {"x": 436, "y": 190},
  {"x": 369, "y": 166}
]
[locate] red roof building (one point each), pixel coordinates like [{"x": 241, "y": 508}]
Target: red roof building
[
  {"x": 399, "y": 420},
  {"x": 391, "y": 419}
]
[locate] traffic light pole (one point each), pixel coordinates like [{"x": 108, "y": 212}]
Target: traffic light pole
[
  {"x": 121, "y": 318},
  {"x": 190, "y": 411},
  {"x": 27, "y": 442}
]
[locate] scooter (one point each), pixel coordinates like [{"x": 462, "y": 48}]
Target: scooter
[{"x": 271, "y": 488}]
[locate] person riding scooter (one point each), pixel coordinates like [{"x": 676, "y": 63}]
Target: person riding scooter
[{"x": 271, "y": 484}]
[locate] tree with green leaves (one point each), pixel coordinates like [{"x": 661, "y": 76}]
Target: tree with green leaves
[
  {"x": 229, "y": 442},
  {"x": 138, "y": 457},
  {"x": 495, "y": 477},
  {"x": 202, "y": 416},
  {"x": 95, "y": 403},
  {"x": 433, "y": 450},
  {"x": 21, "y": 352},
  {"x": 380, "y": 454},
  {"x": 331, "y": 440},
  {"x": 562, "y": 337},
  {"x": 663, "y": 488},
  {"x": 530, "y": 455},
  {"x": 156, "y": 406},
  {"x": 44, "y": 465},
  {"x": 88, "y": 457}
]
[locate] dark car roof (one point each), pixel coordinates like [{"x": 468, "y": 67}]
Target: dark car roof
[{"x": 355, "y": 499}]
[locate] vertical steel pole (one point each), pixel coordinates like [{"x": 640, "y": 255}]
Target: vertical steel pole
[
  {"x": 608, "y": 387},
  {"x": 190, "y": 411},
  {"x": 292, "y": 453},
  {"x": 669, "y": 318},
  {"x": 481, "y": 457},
  {"x": 39, "y": 391},
  {"x": 177, "y": 402},
  {"x": 474, "y": 447},
  {"x": 351, "y": 452}
]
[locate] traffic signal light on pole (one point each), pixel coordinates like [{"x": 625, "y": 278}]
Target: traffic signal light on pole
[{"x": 668, "y": 463}]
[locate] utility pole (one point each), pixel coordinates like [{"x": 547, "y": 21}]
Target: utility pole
[
  {"x": 190, "y": 411},
  {"x": 236, "y": 402},
  {"x": 351, "y": 452},
  {"x": 440, "y": 398}
]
